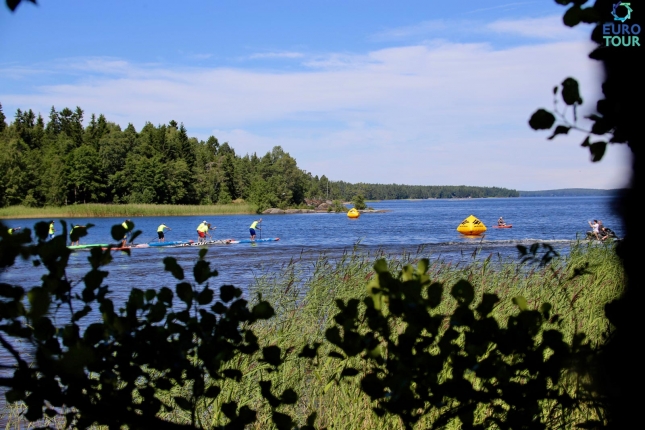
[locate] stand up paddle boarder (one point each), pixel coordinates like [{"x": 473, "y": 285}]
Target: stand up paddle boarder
[
  {"x": 160, "y": 230},
  {"x": 52, "y": 230},
  {"x": 71, "y": 236},
  {"x": 202, "y": 229},
  {"x": 128, "y": 226},
  {"x": 254, "y": 227}
]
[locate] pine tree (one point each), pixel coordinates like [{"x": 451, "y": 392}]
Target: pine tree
[{"x": 3, "y": 124}]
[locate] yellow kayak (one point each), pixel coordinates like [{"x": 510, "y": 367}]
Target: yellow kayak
[{"x": 353, "y": 213}]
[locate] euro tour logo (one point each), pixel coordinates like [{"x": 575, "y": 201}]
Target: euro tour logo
[{"x": 620, "y": 33}]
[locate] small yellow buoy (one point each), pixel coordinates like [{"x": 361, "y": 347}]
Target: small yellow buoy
[
  {"x": 471, "y": 226},
  {"x": 353, "y": 213}
]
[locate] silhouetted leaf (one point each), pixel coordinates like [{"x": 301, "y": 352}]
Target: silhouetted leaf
[
  {"x": 282, "y": 421},
  {"x": 183, "y": 403},
  {"x": 348, "y": 371},
  {"x": 310, "y": 351},
  {"x": 185, "y": 292},
  {"x": 572, "y": 17},
  {"x": 541, "y": 120},
  {"x": 463, "y": 292},
  {"x": 271, "y": 355},
  {"x": 597, "y": 150},
  {"x": 228, "y": 293},
  {"x": 571, "y": 92},
  {"x": 263, "y": 310},
  {"x": 561, "y": 129},
  {"x": 212, "y": 392},
  {"x": 170, "y": 265},
  {"x": 289, "y": 397},
  {"x": 205, "y": 296}
]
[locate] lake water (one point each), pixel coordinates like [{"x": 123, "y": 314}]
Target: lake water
[{"x": 406, "y": 226}]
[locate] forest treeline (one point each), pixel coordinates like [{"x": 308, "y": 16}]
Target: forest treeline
[
  {"x": 60, "y": 162},
  {"x": 572, "y": 192}
]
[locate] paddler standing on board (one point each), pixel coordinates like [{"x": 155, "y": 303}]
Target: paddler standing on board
[
  {"x": 253, "y": 227},
  {"x": 128, "y": 226},
  {"x": 160, "y": 229},
  {"x": 52, "y": 230},
  {"x": 71, "y": 238},
  {"x": 202, "y": 229}
]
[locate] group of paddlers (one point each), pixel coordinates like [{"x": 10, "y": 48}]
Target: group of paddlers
[{"x": 203, "y": 230}]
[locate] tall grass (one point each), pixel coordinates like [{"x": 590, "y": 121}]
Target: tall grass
[
  {"x": 304, "y": 300},
  {"x": 96, "y": 210},
  {"x": 303, "y": 295}
]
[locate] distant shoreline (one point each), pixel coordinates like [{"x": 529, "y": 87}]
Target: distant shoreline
[
  {"x": 572, "y": 192},
  {"x": 100, "y": 210}
]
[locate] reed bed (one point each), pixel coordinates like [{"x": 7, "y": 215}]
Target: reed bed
[
  {"x": 96, "y": 210},
  {"x": 303, "y": 295},
  {"x": 304, "y": 300}
]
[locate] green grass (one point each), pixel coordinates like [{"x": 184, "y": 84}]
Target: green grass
[
  {"x": 304, "y": 295},
  {"x": 304, "y": 301},
  {"x": 96, "y": 210}
]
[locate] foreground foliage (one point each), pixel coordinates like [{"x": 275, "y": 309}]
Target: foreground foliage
[{"x": 108, "y": 372}]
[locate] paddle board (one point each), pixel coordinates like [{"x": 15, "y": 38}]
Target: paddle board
[
  {"x": 91, "y": 245},
  {"x": 272, "y": 239},
  {"x": 172, "y": 243}
]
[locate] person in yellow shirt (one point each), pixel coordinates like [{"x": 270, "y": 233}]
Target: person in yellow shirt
[
  {"x": 160, "y": 229},
  {"x": 52, "y": 230},
  {"x": 127, "y": 225},
  {"x": 11, "y": 230},
  {"x": 254, "y": 227},
  {"x": 202, "y": 229}
]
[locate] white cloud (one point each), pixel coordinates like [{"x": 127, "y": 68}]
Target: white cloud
[
  {"x": 549, "y": 27},
  {"x": 438, "y": 113}
]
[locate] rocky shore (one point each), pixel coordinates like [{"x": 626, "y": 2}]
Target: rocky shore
[{"x": 318, "y": 206}]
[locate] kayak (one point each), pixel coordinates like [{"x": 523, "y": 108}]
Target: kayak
[
  {"x": 272, "y": 239},
  {"x": 91, "y": 245},
  {"x": 502, "y": 226}
]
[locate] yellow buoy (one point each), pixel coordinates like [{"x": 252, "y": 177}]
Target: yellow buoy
[
  {"x": 353, "y": 213},
  {"x": 471, "y": 226}
]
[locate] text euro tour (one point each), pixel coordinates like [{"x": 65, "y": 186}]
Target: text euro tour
[{"x": 621, "y": 34}]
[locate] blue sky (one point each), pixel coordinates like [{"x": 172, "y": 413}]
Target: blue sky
[{"x": 415, "y": 92}]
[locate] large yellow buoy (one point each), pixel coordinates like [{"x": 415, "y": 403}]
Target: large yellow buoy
[
  {"x": 353, "y": 213},
  {"x": 471, "y": 226}
]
